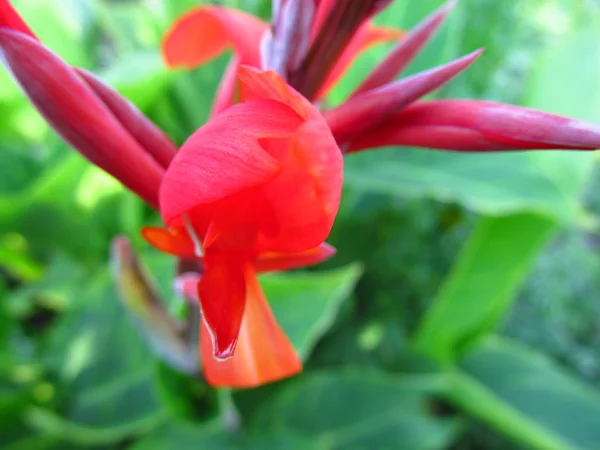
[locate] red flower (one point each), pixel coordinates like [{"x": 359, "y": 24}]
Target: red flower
[{"x": 257, "y": 188}]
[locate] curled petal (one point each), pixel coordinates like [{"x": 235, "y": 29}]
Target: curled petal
[
  {"x": 148, "y": 135},
  {"x": 305, "y": 196},
  {"x": 365, "y": 111},
  {"x": 366, "y": 37},
  {"x": 76, "y": 113},
  {"x": 224, "y": 156},
  {"x": 207, "y": 31},
  {"x": 406, "y": 50},
  {"x": 11, "y": 19},
  {"x": 267, "y": 85},
  {"x": 273, "y": 262},
  {"x": 175, "y": 241},
  {"x": 263, "y": 354},
  {"x": 222, "y": 293},
  {"x": 470, "y": 125}
]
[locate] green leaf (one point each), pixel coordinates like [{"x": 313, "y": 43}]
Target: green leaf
[
  {"x": 141, "y": 77},
  {"x": 501, "y": 250},
  {"x": 62, "y": 26},
  {"x": 482, "y": 283},
  {"x": 526, "y": 396},
  {"x": 98, "y": 353},
  {"x": 306, "y": 304},
  {"x": 212, "y": 435},
  {"x": 392, "y": 411}
]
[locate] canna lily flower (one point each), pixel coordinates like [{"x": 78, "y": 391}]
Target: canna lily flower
[
  {"x": 311, "y": 42},
  {"x": 253, "y": 191},
  {"x": 261, "y": 184}
]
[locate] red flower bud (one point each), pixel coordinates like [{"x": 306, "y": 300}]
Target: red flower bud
[{"x": 470, "y": 125}]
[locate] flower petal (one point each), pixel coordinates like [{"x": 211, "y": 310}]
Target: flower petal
[
  {"x": 406, "y": 50},
  {"x": 224, "y": 156},
  {"x": 148, "y": 135},
  {"x": 78, "y": 115},
  {"x": 10, "y": 18},
  {"x": 366, "y": 37},
  {"x": 207, "y": 31},
  {"x": 305, "y": 196},
  {"x": 273, "y": 262},
  {"x": 263, "y": 354},
  {"x": 175, "y": 241},
  {"x": 365, "y": 111},
  {"x": 470, "y": 125},
  {"x": 222, "y": 293},
  {"x": 267, "y": 85}
]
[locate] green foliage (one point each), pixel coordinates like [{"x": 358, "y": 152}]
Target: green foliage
[
  {"x": 397, "y": 332},
  {"x": 528, "y": 397}
]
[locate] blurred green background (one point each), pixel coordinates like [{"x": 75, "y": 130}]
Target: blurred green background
[{"x": 461, "y": 312}]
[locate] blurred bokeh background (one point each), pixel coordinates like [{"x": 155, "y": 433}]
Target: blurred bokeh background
[{"x": 462, "y": 310}]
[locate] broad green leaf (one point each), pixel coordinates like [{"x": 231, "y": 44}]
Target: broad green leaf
[
  {"x": 357, "y": 410},
  {"x": 306, "y": 304},
  {"x": 213, "y": 436},
  {"x": 100, "y": 355},
  {"x": 207, "y": 436},
  {"x": 482, "y": 283},
  {"x": 526, "y": 396},
  {"x": 547, "y": 182}
]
